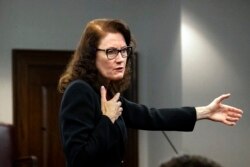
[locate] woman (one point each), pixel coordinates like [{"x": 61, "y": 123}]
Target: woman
[{"x": 94, "y": 116}]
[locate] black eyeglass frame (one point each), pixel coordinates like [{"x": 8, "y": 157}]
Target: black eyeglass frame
[{"x": 118, "y": 51}]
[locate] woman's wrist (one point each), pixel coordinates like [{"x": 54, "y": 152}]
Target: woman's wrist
[{"x": 202, "y": 112}]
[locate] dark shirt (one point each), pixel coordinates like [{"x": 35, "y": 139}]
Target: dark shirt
[{"x": 90, "y": 139}]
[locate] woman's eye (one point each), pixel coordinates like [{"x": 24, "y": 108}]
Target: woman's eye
[
  {"x": 124, "y": 50},
  {"x": 111, "y": 51}
]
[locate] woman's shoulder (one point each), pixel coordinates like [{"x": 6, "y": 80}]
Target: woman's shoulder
[
  {"x": 79, "y": 82},
  {"x": 79, "y": 85}
]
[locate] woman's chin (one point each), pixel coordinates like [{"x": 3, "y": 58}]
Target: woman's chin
[{"x": 117, "y": 78}]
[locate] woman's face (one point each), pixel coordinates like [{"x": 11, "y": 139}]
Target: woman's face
[{"x": 113, "y": 69}]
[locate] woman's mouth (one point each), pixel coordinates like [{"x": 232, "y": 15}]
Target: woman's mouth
[{"x": 119, "y": 69}]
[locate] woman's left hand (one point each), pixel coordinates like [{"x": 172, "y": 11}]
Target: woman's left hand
[{"x": 216, "y": 111}]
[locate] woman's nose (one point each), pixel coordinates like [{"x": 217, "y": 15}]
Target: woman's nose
[{"x": 119, "y": 57}]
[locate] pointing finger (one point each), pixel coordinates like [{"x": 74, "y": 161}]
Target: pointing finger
[{"x": 103, "y": 94}]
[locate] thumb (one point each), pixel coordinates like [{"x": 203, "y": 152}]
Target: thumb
[
  {"x": 116, "y": 97},
  {"x": 103, "y": 94},
  {"x": 222, "y": 97}
]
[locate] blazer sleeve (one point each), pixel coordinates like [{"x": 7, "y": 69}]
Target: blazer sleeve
[
  {"x": 86, "y": 133},
  {"x": 172, "y": 119}
]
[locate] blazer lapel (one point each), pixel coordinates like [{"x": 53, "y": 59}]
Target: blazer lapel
[{"x": 121, "y": 124}]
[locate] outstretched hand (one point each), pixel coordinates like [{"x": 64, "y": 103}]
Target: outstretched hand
[
  {"x": 111, "y": 108},
  {"x": 216, "y": 111}
]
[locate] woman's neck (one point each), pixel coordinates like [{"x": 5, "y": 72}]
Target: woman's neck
[{"x": 104, "y": 81}]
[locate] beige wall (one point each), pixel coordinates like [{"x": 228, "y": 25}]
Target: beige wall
[{"x": 215, "y": 60}]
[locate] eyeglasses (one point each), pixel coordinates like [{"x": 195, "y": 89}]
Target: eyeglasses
[{"x": 111, "y": 53}]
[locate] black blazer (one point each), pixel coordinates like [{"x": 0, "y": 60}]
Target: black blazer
[{"x": 90, "y": 139}]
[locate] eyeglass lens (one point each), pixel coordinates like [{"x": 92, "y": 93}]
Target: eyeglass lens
[{"x": 113, "y": 52}]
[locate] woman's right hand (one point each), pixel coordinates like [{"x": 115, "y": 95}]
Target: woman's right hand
[{"x": 111, "y": 108}]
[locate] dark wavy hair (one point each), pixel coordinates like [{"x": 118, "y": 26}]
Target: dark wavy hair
[
  {"x": 82, "y": 64},
  {"x": 190, "y": 161}
]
